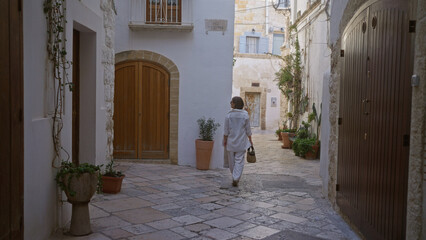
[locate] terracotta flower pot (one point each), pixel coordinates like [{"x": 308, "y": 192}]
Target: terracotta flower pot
[
  {"x": 311, "y": 155},
  {"x": 84, "y": 187},
  {"x": 204, "y": 153},
  {"x": 286, "y": 139},
  {"x": 111, "y": 184},
  {"x": 280, "y": 137}
]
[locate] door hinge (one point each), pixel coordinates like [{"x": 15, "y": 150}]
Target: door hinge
[
  {"x": 412, "y": 26},
  {"x": 19, "y": 5},
  {"x": 406, "y": 140},
  {"x": 342, "y": 53},
  {"x": 337, "y": 187},
  {"x": 339, "y": 121}
]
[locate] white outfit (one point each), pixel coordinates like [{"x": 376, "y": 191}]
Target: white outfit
[{"x": 237, "y": 128}]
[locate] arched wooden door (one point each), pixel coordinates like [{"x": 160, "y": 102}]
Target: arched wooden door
[
  {"x": 141, "y": 111},
  {"x": 374, "y": 124}
]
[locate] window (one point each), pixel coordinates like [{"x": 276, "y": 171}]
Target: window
[
  {"x": 252, "y": 45},
  {"x": 283, "y": 4},
  {"x": 163, "y": 11},
  {"x": 278, "y": 41}
]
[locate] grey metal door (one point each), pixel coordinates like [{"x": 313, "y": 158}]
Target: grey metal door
[{"x": 253, "y": 108}]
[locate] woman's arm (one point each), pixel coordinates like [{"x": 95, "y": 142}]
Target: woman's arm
[{"x": 251, "y": 142}]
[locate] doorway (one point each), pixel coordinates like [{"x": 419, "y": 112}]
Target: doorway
[
  {"x": 11, "y": 121},
  {"x": 76, "y": 97},
  {"x": 141, "y": 111},
  {"x": 253, "y": 108}
]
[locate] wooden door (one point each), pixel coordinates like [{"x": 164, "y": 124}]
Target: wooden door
[
  {"x": 141, "y": 111},
  {"x": 375, "y": 125},
  {"x": 126, "y": 112},
  {"x": 76, "y": 97},
  {"x": 253, "y": 108},
  {"x": 154, "y": 106},
  {"x": 11, "y": 121}
]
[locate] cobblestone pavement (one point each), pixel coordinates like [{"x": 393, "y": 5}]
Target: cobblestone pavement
[{"x": 279, "y": 197}]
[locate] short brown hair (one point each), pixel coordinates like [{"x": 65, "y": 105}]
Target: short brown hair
[{"x": 238, "y": 102}]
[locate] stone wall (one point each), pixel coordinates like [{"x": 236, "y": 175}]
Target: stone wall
[
  {"x": 108, "y": 8},
  {"x": 416, "y": 201}
]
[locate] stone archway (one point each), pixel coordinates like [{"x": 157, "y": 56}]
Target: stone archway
[{"x": 144, "y": 55}]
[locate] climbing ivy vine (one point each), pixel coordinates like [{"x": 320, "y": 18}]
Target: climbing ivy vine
[
  {"x": 289, "y": 79},
  {"x": 55, "y": 11}
]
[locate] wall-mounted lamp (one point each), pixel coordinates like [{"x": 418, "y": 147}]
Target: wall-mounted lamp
[
  {"x": 282, "y": 29},
  {"x": 253, "y": 31}
]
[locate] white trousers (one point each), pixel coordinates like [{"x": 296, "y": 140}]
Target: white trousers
[{"x": 236, "y": 164}]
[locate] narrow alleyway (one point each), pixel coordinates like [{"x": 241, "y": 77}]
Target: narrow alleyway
[{"x": 279, "y": 197}]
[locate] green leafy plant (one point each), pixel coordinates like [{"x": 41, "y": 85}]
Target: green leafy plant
[
  {"x": 70, "y": 170},
  {"x": 289, "y": 130},
  {"x": 303, "y": 131},
  {"x": 207, "y": 128},
  {"x": 303, "y": 145},
  {"x": 110, "y": 171}
]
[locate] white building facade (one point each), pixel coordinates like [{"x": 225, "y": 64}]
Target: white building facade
[
  {"x": 188, "y": 42},
  {"x": 45, "y": 206}
]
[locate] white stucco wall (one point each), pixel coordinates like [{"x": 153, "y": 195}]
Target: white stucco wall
[
  {"x": 204, "y": 62},
  {"x": 43, "y": 213},
  {"x": 336, "y": 12},
  {"x": 313, "y": 31}
]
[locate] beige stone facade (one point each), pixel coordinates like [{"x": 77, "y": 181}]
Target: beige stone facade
[
  {"x": 174, "y": 91},
  {"x": 107, "y": 7},
  {"x": 416, "y": 201},
  {"x": 255, "y": 72}
]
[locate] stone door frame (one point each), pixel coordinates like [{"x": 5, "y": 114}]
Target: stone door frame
[
  {"x": 262, "y": 92},
  {"x": 170, "y": 66}
]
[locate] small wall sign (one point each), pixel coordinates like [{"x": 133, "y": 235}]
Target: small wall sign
[{"x": 218, "y": 25}]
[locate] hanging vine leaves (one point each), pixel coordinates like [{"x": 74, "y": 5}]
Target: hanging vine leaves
[{"x": 55, "y": 11}]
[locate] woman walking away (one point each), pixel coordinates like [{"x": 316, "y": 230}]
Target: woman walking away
[{"x": 236, "y": 133}]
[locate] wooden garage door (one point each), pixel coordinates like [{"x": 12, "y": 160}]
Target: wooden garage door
[
  {"x": 374, "y": 128},
  {"x": 141, "y": 111}
]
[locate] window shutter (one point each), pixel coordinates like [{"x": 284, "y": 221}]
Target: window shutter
[
  {"x": 263, "y": 45},
  {"x": 243, "y": 44}
]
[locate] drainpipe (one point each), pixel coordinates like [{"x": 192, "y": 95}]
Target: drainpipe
[{"x": 266, "y": 18}]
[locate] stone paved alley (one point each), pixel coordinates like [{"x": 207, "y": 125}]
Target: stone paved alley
[{"x": 279, "y": 197}]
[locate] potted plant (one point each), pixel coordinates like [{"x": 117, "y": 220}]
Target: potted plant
[
  {"x": 204, "y": 145},
  {"x": 79, "y": 182},
  {"x": 304, "y": 147},
  {"x": 278, "y": 134},
  {"x": 306, "y": 143},
  {"x": 111, "y": 179},
  {"x": 286, "y": 134}
]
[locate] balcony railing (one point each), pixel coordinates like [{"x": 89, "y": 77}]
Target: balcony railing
[
  {"x": 174, "y": 15},
  {"x": 163, "y": 12}
]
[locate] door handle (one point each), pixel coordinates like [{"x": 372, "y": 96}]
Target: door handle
[{"x": 364, "y": 106}]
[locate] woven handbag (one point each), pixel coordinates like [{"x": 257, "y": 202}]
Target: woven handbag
[{"x": 251, "y": 156}]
